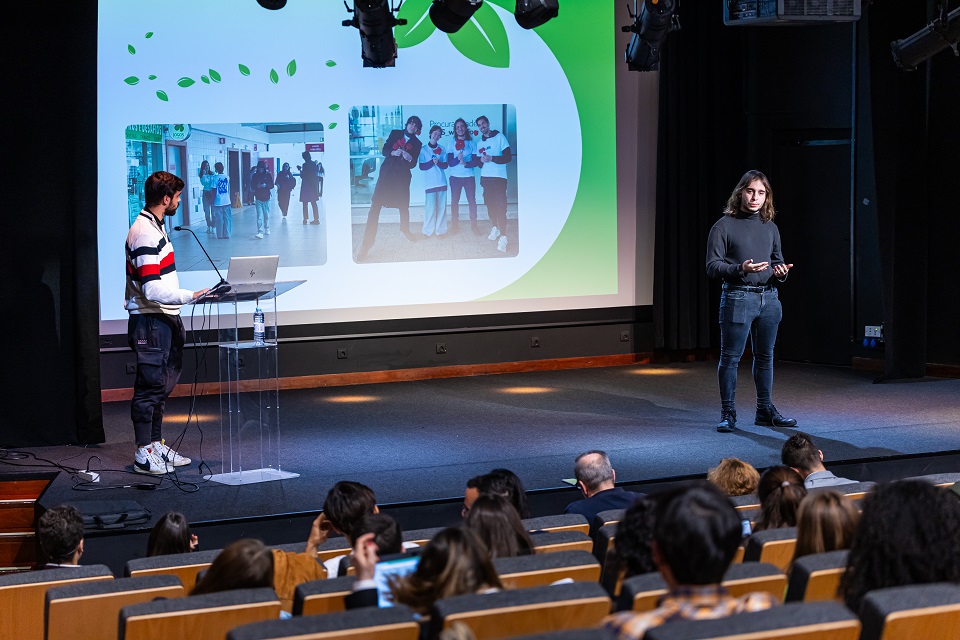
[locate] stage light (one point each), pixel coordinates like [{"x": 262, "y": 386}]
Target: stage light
[
  {"x": 650, "y": 27},
  {"x": 375, "y": 21},
  {"x": 347, "y": 399},
  {"x": 935, "y": 37},
  {"x": 273, "y": 5},
  {"x": 527, "y": 390},
  {"x": 659, "y": 371},
  {"x": 530, "y": 14},
  {"x": 450, "y": 15}
]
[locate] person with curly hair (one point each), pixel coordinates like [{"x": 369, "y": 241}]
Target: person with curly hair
[
  {"x": 633, "y": 544},
  {"x": 826, "y": 521},
  {"x": 909, "y": 534},
  {"x": 780, "y": 491},
  {"x": 734, "y": 477}
]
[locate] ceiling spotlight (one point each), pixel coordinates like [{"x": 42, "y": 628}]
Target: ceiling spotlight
[
  {"x": 375, "y": 20},
  {"x": 530, "y": 14},
  {"x": 935, "y": 37},
  {"x": 650, "y": 27},
  {"x": 450, "y": 15}
]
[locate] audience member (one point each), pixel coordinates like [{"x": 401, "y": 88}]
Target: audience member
[
  {"x": 499, "y": 482},
  {"x": 495, "y": 521},
  {"x": 244, "y": 564},
  {"x": 909, "y": 534},
  {"x": 734, "y": 477},
  {"x": 800, "y": 454},
  {"x": 170, "y": 535},
  {"x": 780, "y": 491},
  {"x": 60, "y": 533},
  {"x": 696, "y": 534},
  {"x": 632, "y": 546},
  {"x": 826, "y": 521},
  {"x": 346, "y": 504},
  {"x": 596, "y": 479},
  {"x": 291, "y": 569},
  {"x": 455, "y": 562}
]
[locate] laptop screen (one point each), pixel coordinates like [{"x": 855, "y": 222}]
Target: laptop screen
[{"x": 253, "y": 270}]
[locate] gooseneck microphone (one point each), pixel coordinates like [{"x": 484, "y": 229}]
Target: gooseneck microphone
[{"x": 202, "y": 248}]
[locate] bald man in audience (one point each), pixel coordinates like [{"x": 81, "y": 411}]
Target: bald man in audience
[{"x": 596, "y": 479}]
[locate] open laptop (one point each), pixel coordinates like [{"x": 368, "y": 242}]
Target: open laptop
[{"x": 249, "y": 275}]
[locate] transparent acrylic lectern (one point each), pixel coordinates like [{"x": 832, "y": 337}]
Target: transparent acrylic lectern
[{"x": 249, "y": 387}]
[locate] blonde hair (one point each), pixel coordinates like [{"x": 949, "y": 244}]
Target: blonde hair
[
  {"x": 826, "y": 521},
  {"x": 734, "y": 477}
]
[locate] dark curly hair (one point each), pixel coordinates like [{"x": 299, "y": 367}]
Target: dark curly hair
[
  {"x": 909, "y": 534},
  {"x": 780, "y": 491},
  {"x": 633, "y": 553}
]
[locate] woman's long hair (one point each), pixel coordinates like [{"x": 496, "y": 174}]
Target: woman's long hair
[
  {"x": 780, "y": 491},
  {"x": 767, "y": 212},
  {"x": 632, "y": 546},
  {"x": 171, "y": 534},
  {"x": 455, "y": 562},
  {"x": 909, "y": 534},
  {"x": 826, "y": 521},
  {"x": 245, "y": 564},
  {"x": 496, "y": 521}
]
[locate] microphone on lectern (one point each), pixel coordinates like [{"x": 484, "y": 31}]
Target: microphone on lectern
[{"x": 222, "y": 281}]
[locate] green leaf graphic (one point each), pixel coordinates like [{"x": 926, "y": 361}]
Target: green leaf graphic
[
  {"x": 331, "y": 63},
  {"x": 244, "y": 69},
  {"x": 419, "y": 26},
  {"x": 334, "y": 106},
  {"x": 204, "y": 79},
  {"x": 162, "y": 95},
  {"x": 186, "y": 82},
  {"x": 151, "y": 77},
  {"x": 483, "y": 39},
  {"x": 274, "y": 76},
  {"x": 131, "y": 50},
  {"x": 214, "y": 76},
  {"x": 132, "y": 80},
  {"x": 148, "y": 35},
  {"x": 332, "y": 125},
  {"x": 292, "y": 68}
]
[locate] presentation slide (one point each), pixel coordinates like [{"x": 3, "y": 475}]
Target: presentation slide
[{"x": 476, "y": 176}]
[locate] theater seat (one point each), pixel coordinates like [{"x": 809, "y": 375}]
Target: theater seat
[
  {"x": 775, "y": 546},
  {"x": 561, "y": 522},
  {"x": 641, "y": 593},
  {"x": 563, "y": 540},
  {"x": 506, "y": 614},
  {"x": 185, "y": 566},
  {"x": 817, "y": 577},
  {"x": 794, "y": 621},
  {"x": 322, "y": 596},
  {"x": 543, "y": 569},
  {"x": 922, "y": 611},
  {"x": 396, "y": 623},
  {"x": 22, "y": 597},
  {"x": 95, "y": 607},
  {"x": 210, "y": 615}
]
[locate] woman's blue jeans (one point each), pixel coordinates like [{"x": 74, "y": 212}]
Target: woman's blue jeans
[{"x": 743, "y": 313}]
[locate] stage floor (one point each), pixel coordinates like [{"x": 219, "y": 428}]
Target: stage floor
[{"x": 420, "y": 441}]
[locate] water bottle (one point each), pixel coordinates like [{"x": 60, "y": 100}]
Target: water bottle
[{"x": 259, "y": 332}]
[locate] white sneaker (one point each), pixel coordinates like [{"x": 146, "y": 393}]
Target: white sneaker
[
  {"x": 268, "y": 231},
  {"x": 502, "y": 244},
  {"x": 147, "y": 460},
  {"x": 260, "y": 236},
  {"x": 494, "y": 234},
  {"x": 171, "y": 456}
]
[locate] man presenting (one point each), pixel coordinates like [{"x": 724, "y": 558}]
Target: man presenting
[{"x": 154, "y": 330}]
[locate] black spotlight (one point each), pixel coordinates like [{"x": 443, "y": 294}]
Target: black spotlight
[
  {"x": 273, "y": 5},
  {"x": 375, "y": 21},
  {"x": 650, "y": 27},
  {"x": 530, "y": 14},
  {"x": 451, "y": 15},
  {"x": 935, "y": 37}
]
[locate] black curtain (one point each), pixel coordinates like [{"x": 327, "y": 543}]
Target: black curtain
[{"x": 701, "y": 154}]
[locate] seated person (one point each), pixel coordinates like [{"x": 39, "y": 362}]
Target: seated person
[
  {"x": 596, "y": 479},
  {"x": 696, "y": 534},
  {"x": 908, "y": 535},
  {"x": 346, "y": 504},
  {"x": 499, "y": 482},
  {"x": 60, "y": 534},
  {"x": 171, "y": 535},
  {"x": 826, "y": 521},
  {"x": 455, "y": 562},
  {"x": 498, "y": 524},
  {"x": 633, "y": 545},
  {"x": 734, "y": 477},
  {"x": 244, "y": 564},
  {"x": 800, "y": 454},
  {"x": 780, "y": 491}
]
